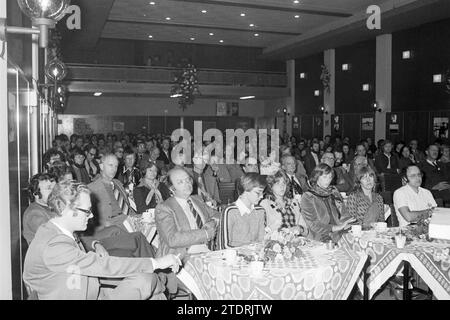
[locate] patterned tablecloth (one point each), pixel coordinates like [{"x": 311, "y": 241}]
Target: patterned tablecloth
[
  {"x": 322, "y": 274},
  {"x": 429, "y": 259}
]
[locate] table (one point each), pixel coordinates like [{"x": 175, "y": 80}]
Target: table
[
  {"x": 429, "y": 259},
  {"x": 322, "y": 274}
]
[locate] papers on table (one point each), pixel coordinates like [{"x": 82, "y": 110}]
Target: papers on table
[{"x": 440, "y": 224}]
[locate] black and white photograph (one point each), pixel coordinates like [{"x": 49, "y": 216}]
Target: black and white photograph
[{"x": 225, "y": 154}]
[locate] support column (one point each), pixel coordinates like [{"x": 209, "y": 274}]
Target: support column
[
  {"x": 5, "y": 225},
  {"x": 329, "y": 96},
  {"x": 383, "y": 90},
  {"x": 34, "y": 109},
  {"x": 290, "y": 101}
]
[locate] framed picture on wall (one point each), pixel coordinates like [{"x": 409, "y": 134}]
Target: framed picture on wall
[
  {"x": 221, "y": 109},
  {"x": 336, "y": 124},
  {"x": 367, "y": 124},
  {"x": 227, "y": 109},
  {"x": 440, "y": 127},
  {"x": 119, "y": 126},
  {"x": 295, "y": 123},
  {"x": 394, "y": 128}
]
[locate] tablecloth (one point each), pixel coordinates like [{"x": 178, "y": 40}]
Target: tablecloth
[
  {"x": 322, "y": 274},
  {"x": 429, "y": 259}
]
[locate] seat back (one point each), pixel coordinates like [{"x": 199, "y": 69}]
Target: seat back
[
  {"x": 391, "y": 182},
  {"x": 227, "y": 192}
]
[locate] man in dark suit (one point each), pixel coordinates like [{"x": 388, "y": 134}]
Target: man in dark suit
[
  {"x": 435, "y": 178},
  {"x": 386, "y": 162},
  {"x": 57, "y": 266},
  {"x": 127, "y": 173},
  {"x": 165, "y": 152},
  {"x": 312, "y": 158},
  {"x": 184, "y": 222}
]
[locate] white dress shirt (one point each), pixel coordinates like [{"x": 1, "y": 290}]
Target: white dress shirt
[
  {"x": 243, "y": 209},
  {"x": 415, "y": 201}
]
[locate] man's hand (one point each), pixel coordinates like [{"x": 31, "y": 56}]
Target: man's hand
[
  {"x": 100, "y": 250},
  {"x": 210, "y": 228},
  {"x": 168, "y": 261}
]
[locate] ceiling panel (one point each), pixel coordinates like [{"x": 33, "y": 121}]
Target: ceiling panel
[{"x": 176, "y": 34}]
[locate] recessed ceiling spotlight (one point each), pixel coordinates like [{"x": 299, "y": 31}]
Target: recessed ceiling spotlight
[
  {"x": 211, "y": 34},
  {"x": 192, "y": 39},
  {"x": 98, "y": 94},
  {"x": 242, "y": 14},
  {"x": 221, "y": 41},
  {"x": 296, "y": 16},
  {"x": 150, "y": 36},
  {"x": 168, "y": 18},
  {"x": 152, "y": 3},
  {"x": 204, "y": 11},
  {"x": 256, "y": 34},
  {"x": 296, "y": 1},
  {"x": 145, "y": 15},
  {"x": 251, "y": 25}
]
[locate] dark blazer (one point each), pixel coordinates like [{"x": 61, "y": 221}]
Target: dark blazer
[
  {"x": 381, "y": 163},
  {"x": 432, "y": 175},
  {"x": 129, "y": 176},
  {"x": 164, "y": 158},
  {"x": 140, "y": 194},
  {"x": 310, "y": 163},
  {"x": 175, "y": 233},
  {"x": 53, "y": 258}
]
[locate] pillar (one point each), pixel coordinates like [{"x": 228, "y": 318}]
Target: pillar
[
  {"x": 290, "y": 101},
  {"x": 329, "y": 95},
  {"x": 383, "y": 87},
  {"x": 5, "y": 235}
]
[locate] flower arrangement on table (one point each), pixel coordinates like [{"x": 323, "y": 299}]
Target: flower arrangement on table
[
  {"x": 185, "y": 87},
  {"x": 283, "y": 245}
]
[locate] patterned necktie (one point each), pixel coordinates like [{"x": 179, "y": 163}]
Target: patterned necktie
[
  {"x": 196, "y": 215},
  {"x": 295, "y": 187},
  {"x": 123, "y": 205}
]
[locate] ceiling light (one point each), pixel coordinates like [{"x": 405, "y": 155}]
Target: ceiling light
[
  {"x": 303, "y": 75},
  {"x": 98, "y": 94},
  {"x": 221, "y": 41},
  {"x": 296, "y": 1},
  {"x": 366, "y": 87},
  {"x": 167, "y": 18},
  {"x": 242, "y": 14},
  {"x": 247, "y": 97},
  {"x": 251, "y": 25},
  {"x": 192, "y": 39},
  {"x": 345, "y": 67},
  {"x": 296, "y": 16},
  {"x": 204, "y": 11},
  {"x": 150, "y": 36},
  {"x": 316, "y": 93},
  {"x": 152, "y": 3},
  {"x": 256, "y": 34},
  {"x": 211, "y": 34},
  {"x": 437, "y": 78},
  {"x": 176, "y": 95}
]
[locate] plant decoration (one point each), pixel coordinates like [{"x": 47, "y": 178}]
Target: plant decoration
[
  {"x": 326, "y": 78},
  {"x": 185, "y": 87},
  {"x": 284, "y": 245}
]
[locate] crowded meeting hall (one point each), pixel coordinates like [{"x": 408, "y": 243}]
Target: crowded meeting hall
[{"x": 225, "y": 150}]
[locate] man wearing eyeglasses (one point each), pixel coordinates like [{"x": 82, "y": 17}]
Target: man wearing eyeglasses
[
  {"x": 412, "y": 202},
  {"x": 58, "y": 268}
]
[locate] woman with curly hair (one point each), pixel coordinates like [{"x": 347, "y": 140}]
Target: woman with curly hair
[{"x": 281, "y": 211}]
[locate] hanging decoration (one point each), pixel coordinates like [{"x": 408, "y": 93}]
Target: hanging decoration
[
  {"x": 185, "y": 87},
  {"x": 326, "y": 78},
  {"x": 56, "y": 70}
]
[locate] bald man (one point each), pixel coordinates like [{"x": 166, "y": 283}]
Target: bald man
[{"x": 184, "y": 222}]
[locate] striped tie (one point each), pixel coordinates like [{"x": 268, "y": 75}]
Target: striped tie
[
  {"x": 197, "y": 217},
  {"x": 123, "y": 205}
]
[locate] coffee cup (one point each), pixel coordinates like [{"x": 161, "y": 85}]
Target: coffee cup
[
  {"x": 356, "y": 230},
  {"x": 381, "y": 226},
  {"x": 230, "y": 256},
  {"x": 400, "y": 241},
  {"x": 256, "y": 268}
]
